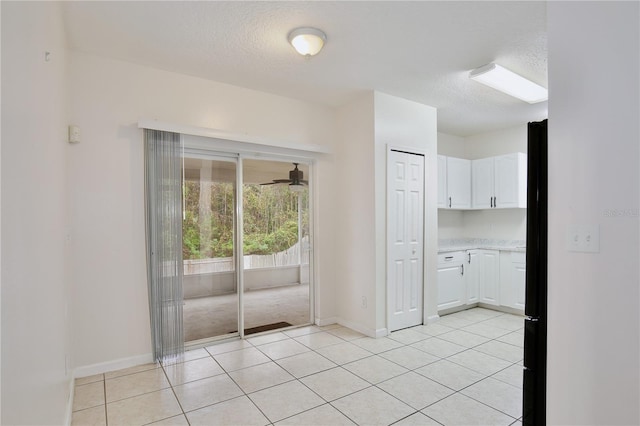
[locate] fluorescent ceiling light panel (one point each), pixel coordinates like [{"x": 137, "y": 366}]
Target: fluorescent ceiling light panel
[{"x": 500, "y": 78}]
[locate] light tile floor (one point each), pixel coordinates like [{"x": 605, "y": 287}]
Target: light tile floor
[{"x": 464, "y": 370}]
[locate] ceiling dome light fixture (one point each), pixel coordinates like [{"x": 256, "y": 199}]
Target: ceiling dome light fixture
[{"x": 307, "y": 41}]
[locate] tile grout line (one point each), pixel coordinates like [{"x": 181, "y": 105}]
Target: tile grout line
[
  {"x": 319, "y": 396},
  {"x": 275, "y": 361},
  {"x": 106, "y": 414},
  {"x": 245, "y": 394},
  {"x": 173, "y": 391}
]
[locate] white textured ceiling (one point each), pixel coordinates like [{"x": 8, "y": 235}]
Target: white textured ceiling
[{"x": 418, "y": 50}]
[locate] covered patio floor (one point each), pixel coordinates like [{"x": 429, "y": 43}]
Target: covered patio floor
[{"x": 206, "y": 317}]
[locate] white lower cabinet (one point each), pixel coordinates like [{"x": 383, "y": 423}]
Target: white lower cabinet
[
  {"x": 472, "y": 275},
  {"x": 518, "y": 280},
  {"x": 513, "y": 279},
  {"x": 451, "y": 283},
  {"x": 489, "y": 277}
]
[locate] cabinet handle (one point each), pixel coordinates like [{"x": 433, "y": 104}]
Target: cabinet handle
[
  {"x": 491, "y": 201},
  {"x": 449, "y": 202},
  {"x": 469, "y": 258},
  {"x": 495, "y": 202},
  {"x": 448, "y": 257},
  {"x": 462, "y": 269}
]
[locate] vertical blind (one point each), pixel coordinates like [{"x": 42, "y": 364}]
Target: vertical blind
[{"x": 163, "y": 190}]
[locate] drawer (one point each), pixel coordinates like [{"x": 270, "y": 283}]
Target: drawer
[
  {"x": 518, "y": 257},
  {"x": 451, "y": 257}
]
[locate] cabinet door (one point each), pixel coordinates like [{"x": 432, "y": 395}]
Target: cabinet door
[
  {"x": 489, "y": 275},
  {"x": 471, "y": 276},
  {"x": 482, "y": 183},
  {"x": 510, "y": 181},
  {"x": 451, "y": 289},
  {"x": 458, "y": 183},
  {"x": 518, "y": 279},
  {"x": 442, "y": 182}
]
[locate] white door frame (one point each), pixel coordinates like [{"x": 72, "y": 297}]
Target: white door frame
[{"x": 423, "y": 153}]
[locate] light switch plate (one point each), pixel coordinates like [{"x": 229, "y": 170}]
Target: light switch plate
[
  {"x": 74, "y": 134},
  {"x": 583, "y": 238},
  {"x": 591, "y": 239},
  {"x": 573, "y": 238}
]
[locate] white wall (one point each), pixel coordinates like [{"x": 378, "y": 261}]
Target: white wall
[
  {"x": 35, "y": 338},
  {"x": 366, "y": 126},
  {"x": 498, "y": 142},
  {"x": 355, "y": 254},
  {"x": 108, "y": 97},
  {"x": 403, "y": 123},
  {"x": 451, "y": 224},
  {"x": 500, "y": 224},
  {"x": 594, "y": 326},
  {"x": 451, "y": 145}
]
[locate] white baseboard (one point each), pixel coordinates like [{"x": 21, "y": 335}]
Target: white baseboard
[
  {"x": 326, "y": 321},
  {"x": 357, "y": 327},
  {"x": 432, "y": 319},
  {"x": 118, "y": 364},
  {"x": 69, "y": 412},
  {"x": 382, "y": 332}
]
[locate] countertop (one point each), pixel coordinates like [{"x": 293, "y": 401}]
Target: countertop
[{"x": 461, "y": 244}]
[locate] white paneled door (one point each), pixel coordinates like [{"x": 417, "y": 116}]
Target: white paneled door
[{"x": 405, "y": 238}]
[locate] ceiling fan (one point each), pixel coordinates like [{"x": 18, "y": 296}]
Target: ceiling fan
[{"x": 295, "y": 181}]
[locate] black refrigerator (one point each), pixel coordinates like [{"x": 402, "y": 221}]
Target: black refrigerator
[{"x": 535, "y": 323}]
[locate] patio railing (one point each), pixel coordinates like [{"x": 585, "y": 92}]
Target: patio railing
[
  {"x": 288, "y": 257},
  {"x": 211, "y": 277}
]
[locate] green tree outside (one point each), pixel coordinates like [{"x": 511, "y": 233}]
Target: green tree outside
[{"x": 270, "y": 219}]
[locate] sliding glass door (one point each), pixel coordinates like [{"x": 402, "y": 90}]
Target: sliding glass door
[
  {"x": 276, "y": 245},
  {"x": 269, "y": 287},
  {"x": 209, "y": 250}
]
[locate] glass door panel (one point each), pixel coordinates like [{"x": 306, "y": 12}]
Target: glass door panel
[
  {"x": 209, "y": 252},
  {"x": 276, "y": 245}
]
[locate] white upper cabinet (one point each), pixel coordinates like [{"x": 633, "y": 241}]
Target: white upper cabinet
[
  {"x": 499, "y": 182},
  {"x": 459, "y": 183},
  {"x": 482, "y": 178},
  {"x": 511, "y": 181},
  {"x": 442, "y": 181},
  {"x": 454, "y": 183}
]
